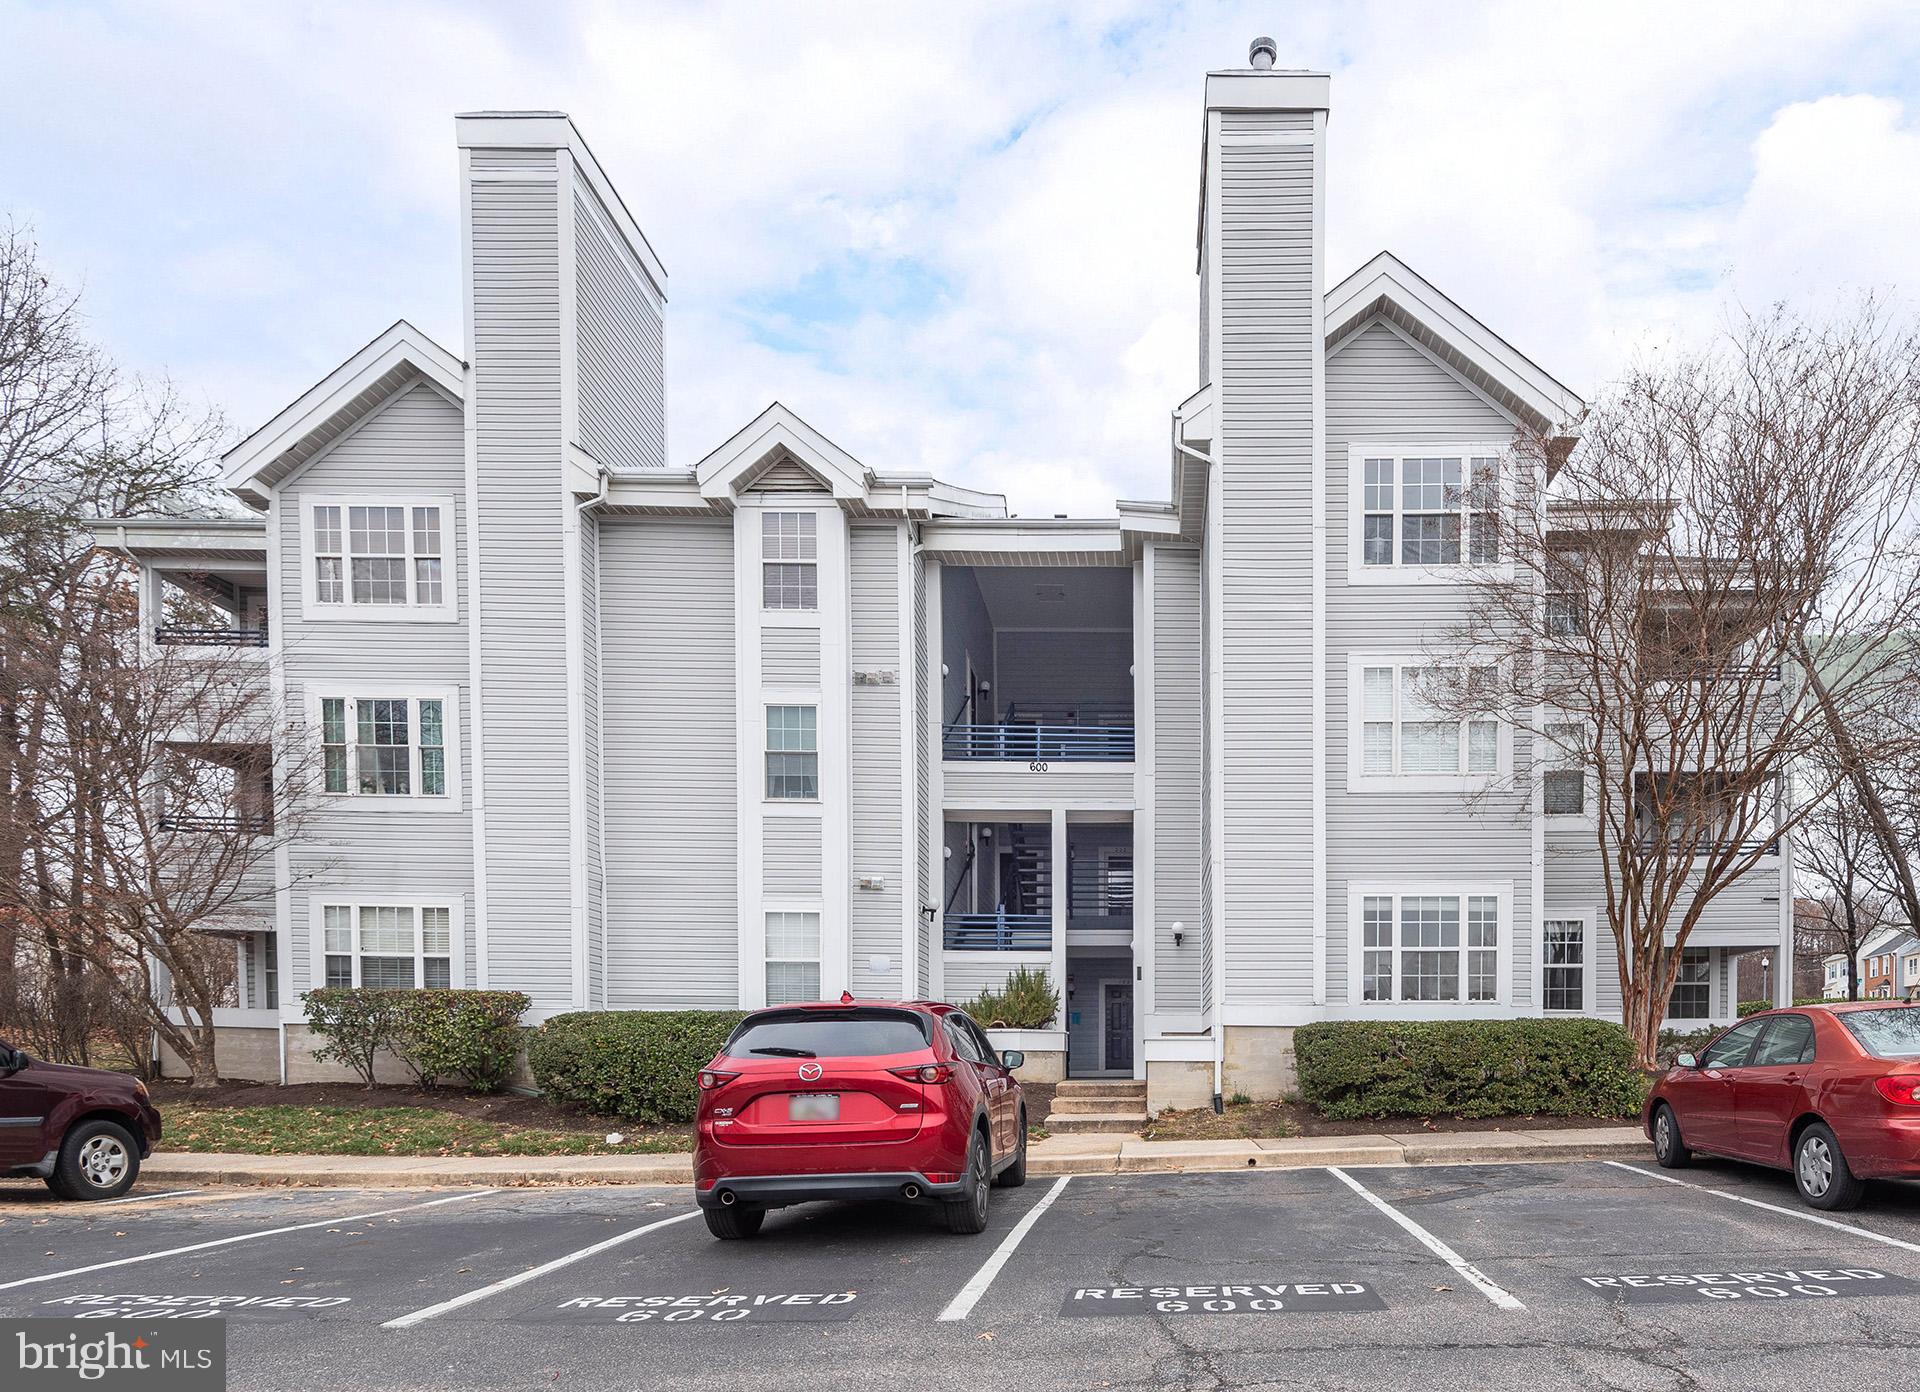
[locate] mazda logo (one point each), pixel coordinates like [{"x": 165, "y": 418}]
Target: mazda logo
[{"x": 809, "y": 1072}]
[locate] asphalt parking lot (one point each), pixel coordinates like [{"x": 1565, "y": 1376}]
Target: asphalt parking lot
[{"x": 1543, "y": 1276}]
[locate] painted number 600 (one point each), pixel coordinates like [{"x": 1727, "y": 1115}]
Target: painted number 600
[{"x": 1037, "y": 766}]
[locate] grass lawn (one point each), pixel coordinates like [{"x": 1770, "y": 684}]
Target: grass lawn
[{"x": 293, "y": 1130}]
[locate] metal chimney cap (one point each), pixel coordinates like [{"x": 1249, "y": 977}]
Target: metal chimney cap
[{"x": 1261, "y": 53}]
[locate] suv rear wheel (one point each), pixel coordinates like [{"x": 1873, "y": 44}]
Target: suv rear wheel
[
  {"x": 732, "y": 1224},
  {"x": 98, "y": 1160},
  {"x": 968, "y": 1213}
]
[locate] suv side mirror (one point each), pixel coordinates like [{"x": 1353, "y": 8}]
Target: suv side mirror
[
  {"x": 1011, "y": 1059},
  {"x": 13, "y": 1060},
  {"x": 1686, "y": 1061}
]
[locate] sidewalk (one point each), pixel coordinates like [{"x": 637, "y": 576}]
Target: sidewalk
[{"x": 1058, "y": 1155}]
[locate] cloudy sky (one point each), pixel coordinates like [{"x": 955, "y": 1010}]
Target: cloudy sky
[{"x": 954, "y": 237}]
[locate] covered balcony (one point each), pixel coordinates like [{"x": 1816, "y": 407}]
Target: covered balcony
[
  {"x": 999, "y": 881},
  {"x": 1037, "y": 664},
  {"x": 210, "y": 608}
]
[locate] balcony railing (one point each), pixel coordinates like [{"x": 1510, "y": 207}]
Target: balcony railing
[
  {"x": 999, "y": 932},
  {"x": 188, "y": 635},
  {"x": 1095, "y": 890},
  {"x": 247, "y": 824}
]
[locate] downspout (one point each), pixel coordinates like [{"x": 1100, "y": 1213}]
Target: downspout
[
  {"x": 599, "y": 499},
  {"x": 1215, "y": 935}
]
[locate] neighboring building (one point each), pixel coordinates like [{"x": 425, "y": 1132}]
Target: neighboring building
[
  {"x": 1834, "y": 971},
  {"x": 1889, "y": 964},
  {"x": 623, "y": 733}
]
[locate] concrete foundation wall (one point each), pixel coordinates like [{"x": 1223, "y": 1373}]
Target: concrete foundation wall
[
  {"x": 251, "y": 1055},
  {"x": 1259, "y": 1062},
  {"x": 1178, "y": 1085}
]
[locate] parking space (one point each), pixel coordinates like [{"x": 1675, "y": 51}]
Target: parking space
[{"x": 1556, "y": 1275}]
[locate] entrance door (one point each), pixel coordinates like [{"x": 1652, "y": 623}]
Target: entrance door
[{"x": 1116, "y": 1026}]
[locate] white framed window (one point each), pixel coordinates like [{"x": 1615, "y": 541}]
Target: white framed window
[
  {"x": 387, "y": 944},
  {"x": 377, "y": 558},
  {"x": 1692, "y": 997},
  {"x": 1563, "y": 775},
  {"x": 1426, "y": 512},
  {"x": 1565, "y": 593},
  {"x": 793, "y": 753},
  {"x": 1565, "y": 965},
  {"x": 1437, "y": 946},
  {"x": 387, "y": 747},
  {"x": 793, "y": 956},
  {"x": 1396, "y": 742},
  {"x": 789, "y": 560}
]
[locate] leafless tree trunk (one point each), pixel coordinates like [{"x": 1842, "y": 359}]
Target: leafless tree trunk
[{"x": 1725, "y": 513}]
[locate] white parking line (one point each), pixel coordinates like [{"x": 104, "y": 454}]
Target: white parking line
[
  {"x": 146, "y": 1198},
  {"x": 243, "y": 1237},
  {"x": 962, "y": 1304},
  {"x": 1468, "y": 1271},
  {"x": 1773, "y": 1208},
  {"x": 473, "y": 1297}
]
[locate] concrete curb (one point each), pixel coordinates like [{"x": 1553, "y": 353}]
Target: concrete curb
[{"x": 1058, "y": 1155}]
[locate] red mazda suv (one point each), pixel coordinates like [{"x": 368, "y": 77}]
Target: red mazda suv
[{"x": 857, "y": 1100}]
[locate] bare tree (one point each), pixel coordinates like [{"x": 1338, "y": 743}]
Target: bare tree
[{"x": 1649, "y": 615}]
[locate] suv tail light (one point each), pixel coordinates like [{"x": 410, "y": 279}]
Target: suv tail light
[
  {"x": 923, "y": 1073},
  {"x": 711, "y": 1078},
  {"x": 1901, "y": 1089}
]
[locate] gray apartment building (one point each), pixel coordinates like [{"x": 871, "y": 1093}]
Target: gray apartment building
[{"x": 627, "y": 732}]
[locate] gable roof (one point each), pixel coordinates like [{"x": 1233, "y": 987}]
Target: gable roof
[
  {"x": 777, "y": 437},
  {"x": 1387, "y": 287},
  {"x": 335, "y": 404}
]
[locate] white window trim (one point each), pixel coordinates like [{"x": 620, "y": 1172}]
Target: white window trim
[
  {"x": 1359, "y": 781},
  {"x": 782, "y": 616},
  {"x": 375, "y": 690},
  {"x": 1589, "y": 984},
  {"x": 780, "y": 696},
  {"x": 1549, "y": 758},
  {"x": 1358, "y": 453},
  {"x": 317, "y": 904},
  {"x": 1357, "y": 895},
  {"x": 773, "y": 904},
  {"x": 447, "y": 611},
  {"x": 1713, "y": 1015}
]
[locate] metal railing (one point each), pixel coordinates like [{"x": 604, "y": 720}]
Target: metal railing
[
  {"x": 1039, "y": 743},
  {"x": 208, "y": 821},
  {"x": 1095, "y": 890},
  {"x": 999, "y": 932},
  {"x": 186, "y": 634}
]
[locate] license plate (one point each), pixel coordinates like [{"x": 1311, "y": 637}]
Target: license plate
[{"x": 813, "y": 1106}]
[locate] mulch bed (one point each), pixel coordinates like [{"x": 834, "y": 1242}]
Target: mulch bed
[
  {"x": 500, "y": 1108},
  {"x": 1271, "y": 1119}
]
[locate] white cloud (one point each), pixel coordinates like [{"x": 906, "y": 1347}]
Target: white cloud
[{"x": 955, "y": 238}]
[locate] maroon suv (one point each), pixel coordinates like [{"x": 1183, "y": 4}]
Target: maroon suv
[
  {"x": 83, "y": 1130},
  {"x": 859, "y": 1100}
]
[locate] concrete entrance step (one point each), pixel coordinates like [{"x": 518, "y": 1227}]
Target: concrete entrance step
[
  {"x": 1101, "y": 1087},
  {"x": 1068, "y": 1104},
  {"x": 1114, "y": 1123}
]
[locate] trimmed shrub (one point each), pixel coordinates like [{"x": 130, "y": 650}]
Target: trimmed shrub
[
  {"x": 1674, "y": 1043},
  {"x": 1756, "y": 1006},
  {"x": 1025, "y": 1002},
  {"x": 638, "y": 1065},
  {"x": 1353, "y": 1069},
  {"x": 469, "y": 1035},
  {"x": 358, "y": 1025}
]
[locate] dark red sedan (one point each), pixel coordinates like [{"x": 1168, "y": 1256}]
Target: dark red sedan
[
  {"x": 858, "y": 1100},
  {"x": 1830, "y": 1092}
]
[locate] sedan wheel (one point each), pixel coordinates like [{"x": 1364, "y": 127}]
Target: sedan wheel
[
  {"x": 1669, "y": 1151},
  {"x": 1821, "y": 1172}
]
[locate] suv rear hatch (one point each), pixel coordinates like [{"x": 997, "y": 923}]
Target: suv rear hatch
[{"x": 822, "y": 1077}]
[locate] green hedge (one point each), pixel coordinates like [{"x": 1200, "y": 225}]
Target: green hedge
[
  {"x": 1755, "y": 1007},
  {"x": 469, "y": 1035},
  {"x": 1352, "y": 1069},
  {"x": 638, "y": 1065}
]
